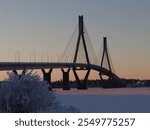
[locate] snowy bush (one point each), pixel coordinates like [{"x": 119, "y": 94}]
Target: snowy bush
[{"x": 28, "y": 93}]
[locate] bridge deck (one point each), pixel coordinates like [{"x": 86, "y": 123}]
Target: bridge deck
[{"x": 4, "y": 66}]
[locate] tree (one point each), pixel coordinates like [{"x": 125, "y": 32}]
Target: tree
[{"x": 27, "y": 94}]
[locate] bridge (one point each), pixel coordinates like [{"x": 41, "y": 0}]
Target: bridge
[{"x": 75, "y": 60}]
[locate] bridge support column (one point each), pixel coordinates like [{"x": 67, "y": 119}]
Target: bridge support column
[
  {"x": 23, "y": 72},
  {"x": 47, "y": 75},
  {"x": 15, "y": 72},
  {"x": 108, "y": 83},
  {"x": 102, "y": 82},
  {"x": 19, "y": 75},
  {"x": 81, "y": 84},
  {"x": 65, "y": 79},
  {"x": 105, "y": 83}
]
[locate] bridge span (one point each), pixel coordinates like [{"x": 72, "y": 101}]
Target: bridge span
[{"x": 5, "y": 66}]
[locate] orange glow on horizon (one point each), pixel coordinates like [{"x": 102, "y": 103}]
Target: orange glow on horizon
[{"x": 57, "y": 75}]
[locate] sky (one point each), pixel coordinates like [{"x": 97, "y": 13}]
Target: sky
[{"x": 44, "y": 27}]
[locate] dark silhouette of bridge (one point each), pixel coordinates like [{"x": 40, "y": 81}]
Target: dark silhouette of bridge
[{"x": 75, "y": 60}]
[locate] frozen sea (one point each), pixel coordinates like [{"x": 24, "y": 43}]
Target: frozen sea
[{"x": 98, "y": 100}]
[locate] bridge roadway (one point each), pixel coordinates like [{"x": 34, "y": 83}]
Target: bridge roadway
[{"x": 4, "y": 66}]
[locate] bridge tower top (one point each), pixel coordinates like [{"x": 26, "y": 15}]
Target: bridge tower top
[
  {"x": 81, "y": 24},
  {"x": 81, "y": 37}
]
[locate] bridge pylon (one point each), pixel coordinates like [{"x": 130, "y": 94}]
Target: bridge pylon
[
  {"x": 110, "y": 82},
  {"x": 105, "y": 54},
  {"x": 47, "y": 75},
  {"x": 81, "y": 37},
  {"x": 105, "y": 58},
  {"x": 81, "y": 84},
  {"x": 65, "y": 79}
]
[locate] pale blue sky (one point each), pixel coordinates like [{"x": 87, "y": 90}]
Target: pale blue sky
[{"x": 46, "y": 26}]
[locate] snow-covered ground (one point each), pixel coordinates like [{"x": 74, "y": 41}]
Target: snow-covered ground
[{"x": 107, "y": 100}]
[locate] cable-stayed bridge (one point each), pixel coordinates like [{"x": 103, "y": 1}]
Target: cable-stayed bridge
[{"x": 78, "y": 55}]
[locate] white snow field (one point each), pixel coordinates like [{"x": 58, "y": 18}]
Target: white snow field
[{"x": 97, "y": 100}]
